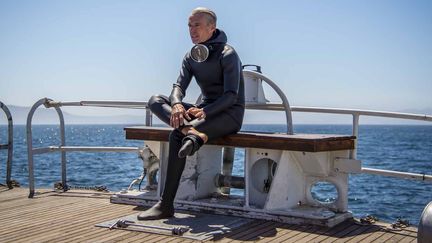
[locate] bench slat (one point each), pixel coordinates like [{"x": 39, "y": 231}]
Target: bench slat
[{"x": 278, "y": 141}]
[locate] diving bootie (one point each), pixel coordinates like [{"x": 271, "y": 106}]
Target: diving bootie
[
  {"x": 190, "y": 144},
  {"x": 158, "y": 211}
]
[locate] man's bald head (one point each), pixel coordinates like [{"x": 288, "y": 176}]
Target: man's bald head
[{"x": 207, "y": 13}]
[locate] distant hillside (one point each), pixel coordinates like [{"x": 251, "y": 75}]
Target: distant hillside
[{"x": 49, "y": 116}]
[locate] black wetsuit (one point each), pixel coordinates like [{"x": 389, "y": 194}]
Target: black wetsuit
[{"x": 221, "y": 81}]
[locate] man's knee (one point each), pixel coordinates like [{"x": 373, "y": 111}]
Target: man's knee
[{"x": 156, "y": 100}]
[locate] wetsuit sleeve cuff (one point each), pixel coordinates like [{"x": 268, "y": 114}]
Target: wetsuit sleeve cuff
[{"x": 176, "y": 95}]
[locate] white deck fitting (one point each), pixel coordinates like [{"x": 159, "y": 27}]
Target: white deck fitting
[{"x": 288, "y": 200}]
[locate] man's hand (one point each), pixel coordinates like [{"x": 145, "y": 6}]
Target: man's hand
[
  {"x": 196, "y": 112},
  {"x": 178, "y": 114}
]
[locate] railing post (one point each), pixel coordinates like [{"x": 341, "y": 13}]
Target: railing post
[
  {"x": 148, "y": 117},
  {"x": 355, "y": 132},
  {"x": 9, "y": 145},
  {"x": 44, "y": 101},
  {"x": 63, "y": 143},
  {"x": 30, "y": 145}
]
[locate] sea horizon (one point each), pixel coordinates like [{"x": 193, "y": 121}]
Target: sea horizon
[{"x": 244, "y": 124}]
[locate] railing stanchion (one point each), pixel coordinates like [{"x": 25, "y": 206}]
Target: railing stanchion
[
  {"x": 48, "y": 103},
  {"x": 44, "y": 101},
  {"x": 355, "y": 132},
  {"x": 30, "y": 145},
  {"x": 62, "y": 143},
  {"x": 149, "y": 117},
  {"x": 9, "y": 146}
]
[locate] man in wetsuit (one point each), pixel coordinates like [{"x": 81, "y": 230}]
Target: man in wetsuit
[{"x": 219, "y": 75}]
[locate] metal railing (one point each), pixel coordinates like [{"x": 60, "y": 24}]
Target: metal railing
[
  {"x": 48, "y": 103},
  {"x": 8, "y": 146},
  {"x": 62, "y": 148},
  {"x": 356, "y": 113},
  {"x": 284, "y": 106}
]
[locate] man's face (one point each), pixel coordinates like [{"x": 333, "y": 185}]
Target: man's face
[{"x": 199, "y": 28}]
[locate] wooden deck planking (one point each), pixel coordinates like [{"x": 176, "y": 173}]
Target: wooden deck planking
[
  {"x": 303, "y": 233},
  {"x": 53, "y": 213},
  {"x": 340, "y": 234},
  {"x": 69, "y": 231},
  {"x": 253, "y": 232},
  {"x": 241, "y": 232},
  {"x": 373, "y": 236},
  {"x": 140, "y": 237},
  {"x": 59, "y": 219},
  {"x": 359, "y": 236},
  {"x": 406, "y": 234},
  {"x": 288, "y": 234},
  {"x": 402, "y": 236},
  {"x": 267, "y": 232},
  {"x": 324, "y": 233},
  {"x": 60, "y": 226},
  {"x": 71, "y": 217},
  {"x": 30, "y": 222}
]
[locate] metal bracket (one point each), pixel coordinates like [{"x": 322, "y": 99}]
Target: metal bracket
[{"x": 345, "y": 165}]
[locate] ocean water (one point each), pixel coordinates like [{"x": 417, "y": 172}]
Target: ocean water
[{"x": 394, "y": 147}]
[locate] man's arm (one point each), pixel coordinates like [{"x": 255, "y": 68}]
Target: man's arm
[
  {"x": 183, "y": 81},
  {"x": 178, "y": 112}
]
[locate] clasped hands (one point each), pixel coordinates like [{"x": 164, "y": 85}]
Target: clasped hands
[{"x": 179, "y": 113}]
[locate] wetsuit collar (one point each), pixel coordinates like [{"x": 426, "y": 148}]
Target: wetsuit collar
[{"x": 218, "y": 37}]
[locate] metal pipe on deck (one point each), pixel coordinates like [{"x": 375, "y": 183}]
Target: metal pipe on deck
[{"x": 229, "y": 181}]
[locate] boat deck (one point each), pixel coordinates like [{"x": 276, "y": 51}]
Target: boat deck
[{"x": 71, "y": 217}]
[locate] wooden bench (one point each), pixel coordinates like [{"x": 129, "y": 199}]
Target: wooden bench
[
  {"x": 289, "y": 166},
  {"x": 278, "y": 141}
]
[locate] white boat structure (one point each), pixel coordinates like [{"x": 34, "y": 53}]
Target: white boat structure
[{"x": 281, "y": 170}]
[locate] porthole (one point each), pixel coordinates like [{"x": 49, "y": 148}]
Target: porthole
[{"x": 324, "y": 192}]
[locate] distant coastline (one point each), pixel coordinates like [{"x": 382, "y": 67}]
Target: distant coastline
[{"x": 49, "y": 117}]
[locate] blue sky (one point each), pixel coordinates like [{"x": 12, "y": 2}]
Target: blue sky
[{"x": 374, "y": 55}]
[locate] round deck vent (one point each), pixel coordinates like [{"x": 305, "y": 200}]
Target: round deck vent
[
  {"x": 263, "y": 172},
  {"x": 324, "y": 192}
]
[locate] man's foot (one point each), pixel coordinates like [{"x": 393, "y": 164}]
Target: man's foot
[
  {"x": 186, "y": 148},
  {"x": 191, "y": 144},
  {"x": 158, "y": 211}
]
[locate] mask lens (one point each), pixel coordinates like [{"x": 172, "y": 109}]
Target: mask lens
[{"x": 199, "y": 53}]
